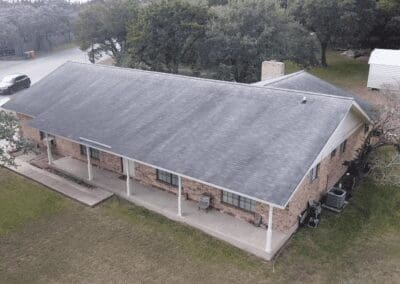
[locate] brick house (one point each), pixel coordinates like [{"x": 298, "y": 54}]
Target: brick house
[{"x": 260, "y": 150}]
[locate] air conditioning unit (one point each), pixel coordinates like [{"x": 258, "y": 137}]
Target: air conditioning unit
[{"x": 336, "y": 198}]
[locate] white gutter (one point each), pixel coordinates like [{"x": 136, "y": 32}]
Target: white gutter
[{"x": 172, "y": 172}]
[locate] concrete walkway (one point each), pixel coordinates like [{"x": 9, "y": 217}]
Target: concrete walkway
[
  {"x": 222, "y": 226},
  {"x": 87, "y": 196}
]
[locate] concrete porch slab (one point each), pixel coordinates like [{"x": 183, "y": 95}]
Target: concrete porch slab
[
  {"x": 87, "y": 196},
  {"x": 222, "y": 226}
]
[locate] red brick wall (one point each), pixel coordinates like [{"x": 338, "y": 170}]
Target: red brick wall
[
  {"x": 107, "y": 161},
  {"x": 148, "y": 176},
  {"x": 283, "y": 220},
  {"x": 64, "y": 147},
  {"x": 331, "y": 170},
  {"x": 27, "y": 131}
]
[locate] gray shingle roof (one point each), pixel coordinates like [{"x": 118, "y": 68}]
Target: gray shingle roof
[
  {"x": 256, "y": 141},
  {"x": 304, "y": 81}
]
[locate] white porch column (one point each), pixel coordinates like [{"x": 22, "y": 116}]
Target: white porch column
[
  {"x": 49, "y": 155},
  {"x": 89, "y": 164},
  {"x": 179, "y": 196},
  {"x": 128, "y": 178},
  {"x": 268, "y": 244}
]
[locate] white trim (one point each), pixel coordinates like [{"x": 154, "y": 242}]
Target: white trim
[
  {"x": 179, "y": 196},
  {"x": 268, "y": 243},
  {"x": 360, "y": 109},
  {"x": 89, "y": 163},
  {"x": 49, "y": 155},
  {"x": 216, "y": 186},
  {"x": 94, "y": 142},
  {"x": 320, "y": 159},
  {"x": 128, "y": 178},
  {"x": 175, "y": 173}
]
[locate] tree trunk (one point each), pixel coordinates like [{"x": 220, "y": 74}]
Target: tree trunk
[{"x": 324, "y": 47}]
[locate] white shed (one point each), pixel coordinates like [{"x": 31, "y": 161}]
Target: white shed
[{"x": 384, "y": 69}]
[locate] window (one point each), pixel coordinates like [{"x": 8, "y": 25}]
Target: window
[
  {"x": 42, "y": 135},
  {"x": 343, "y": 146},
  {"x": 83, "y": 150},
  {"x": 333, "y": 154},
  {"x": 94, "y": 153},
  {"x": 239, "y": 201},
  {"x": 314, "y": 172},
  {"x": 167, "y": 177}
]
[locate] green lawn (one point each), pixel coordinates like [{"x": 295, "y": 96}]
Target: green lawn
[
  {"x": 54, "y": 239},
  {"x": 23, "y": 201},
  {"x": 343, "y": 71}
]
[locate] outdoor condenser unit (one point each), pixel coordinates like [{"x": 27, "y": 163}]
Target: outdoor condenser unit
[{"x": 336, "y": 198}]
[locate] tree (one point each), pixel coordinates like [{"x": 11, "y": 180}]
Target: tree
[
  {"x": 386, "y": 31},
  {"x": 384, "y": 132},
  {"x": 348, "y": 21},
  {"x": 167, "y": 35},
  {"x": 245, "y": 33},
  {"x": 10, "y": 140},
  {"x": 31, "y": 23},
  {"x": 101, "y": 26}
]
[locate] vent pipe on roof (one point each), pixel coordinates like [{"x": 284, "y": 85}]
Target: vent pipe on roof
[{"x": 304, "y": 100}]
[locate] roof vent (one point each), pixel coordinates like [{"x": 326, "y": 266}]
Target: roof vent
[{"x": 304, "y": 100}]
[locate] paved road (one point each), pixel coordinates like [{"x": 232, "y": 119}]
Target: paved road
[{"x": 37, "y": 68}]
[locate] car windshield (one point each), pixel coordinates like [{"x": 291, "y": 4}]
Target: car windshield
[{"x": 8, "y": 79}]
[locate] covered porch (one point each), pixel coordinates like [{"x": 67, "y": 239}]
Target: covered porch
[{"x": 258, "y": 241}]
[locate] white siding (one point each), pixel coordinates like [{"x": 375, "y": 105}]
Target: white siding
[
  {"x": 384, "y": 76},
  {"x": 347, "y": 127}
]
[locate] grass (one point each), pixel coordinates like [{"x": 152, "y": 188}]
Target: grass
[
  {"x": 46, "y": 238},
  {"x": 343, "y": 71},
  {"x": 390, "y": 159},
  {"x": 23, "y": 201},
  {"x": 57, "y": 240}
]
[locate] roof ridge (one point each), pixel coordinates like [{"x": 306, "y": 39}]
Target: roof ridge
[
  {"x": 278, "y": 79},
  {"x": 311, "y": 93},
  {"x": 296, "y": 92}
]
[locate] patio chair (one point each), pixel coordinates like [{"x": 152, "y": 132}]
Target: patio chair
[{"x": 205, "y": 202}]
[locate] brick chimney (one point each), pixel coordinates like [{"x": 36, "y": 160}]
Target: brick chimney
[{"x": 272, "y": 69}]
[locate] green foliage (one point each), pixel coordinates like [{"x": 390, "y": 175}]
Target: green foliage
[
  {"x": 102, "y": 27},
  {"x": 167, "y": 34},
  {"x": 343, "y": 71},
  {"x": 391, "y": 7},
  {"x": 243, "y": 34},
  {"x": 9, "y": 138},
  {"x": 217, "y": 2},
  {"x": 374, "y": 209},
  {"x": 386, "y": 32},
  {"x": 23, "y": 22},
  {"x": 23, "y": 201},
  {"x": 345, "y": 21}
]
